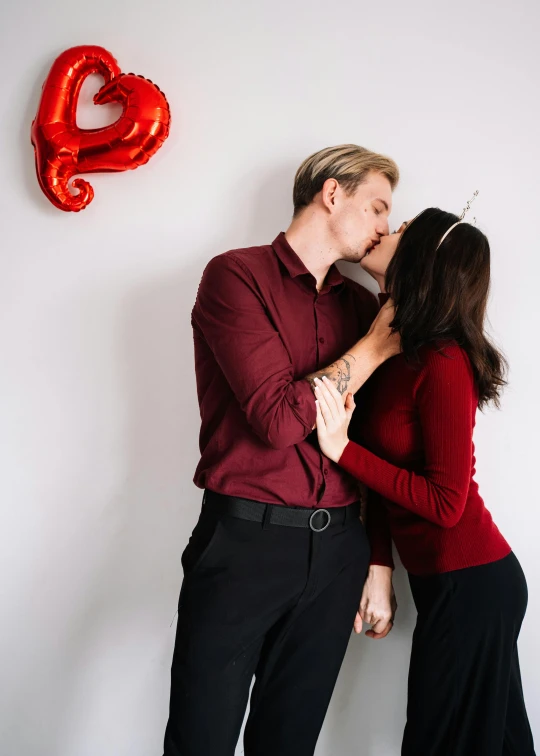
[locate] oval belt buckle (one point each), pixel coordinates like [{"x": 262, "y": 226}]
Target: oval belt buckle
[{"x": 328, "y": 520}]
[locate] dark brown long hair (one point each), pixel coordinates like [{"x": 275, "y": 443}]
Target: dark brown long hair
[{"x": 441, "y": 293}]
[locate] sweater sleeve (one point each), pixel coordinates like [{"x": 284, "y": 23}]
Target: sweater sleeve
[
  {"x": 445, "y": 398},
  {"x": 378, "y": 531}
]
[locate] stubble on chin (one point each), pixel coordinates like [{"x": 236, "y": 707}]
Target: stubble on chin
[{"x": 354, "y": 255}]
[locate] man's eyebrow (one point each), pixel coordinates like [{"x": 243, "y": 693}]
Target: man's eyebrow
[{"x": 378, "y": 199}]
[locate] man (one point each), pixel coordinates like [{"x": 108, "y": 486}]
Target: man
[{"x": 275, "y": 568}]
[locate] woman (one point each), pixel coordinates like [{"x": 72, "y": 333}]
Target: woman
[{"x": 413, "y": 448}]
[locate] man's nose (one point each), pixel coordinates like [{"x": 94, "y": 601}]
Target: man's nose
[{"x": 382, "y": 227}]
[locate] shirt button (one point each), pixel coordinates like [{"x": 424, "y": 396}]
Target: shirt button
[
  {"x": 325, "y": 471},
  {"x": 321, "y": 340}
]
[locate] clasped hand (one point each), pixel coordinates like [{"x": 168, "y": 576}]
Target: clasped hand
[{"x": 333, "y": 418}]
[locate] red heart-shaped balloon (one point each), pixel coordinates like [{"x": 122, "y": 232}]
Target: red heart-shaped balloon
[{"x": 62, "y": 149}]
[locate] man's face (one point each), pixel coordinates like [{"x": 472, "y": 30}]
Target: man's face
[
  {"x": 376, "y": 261},
  {"x": 360, "y": 220}
]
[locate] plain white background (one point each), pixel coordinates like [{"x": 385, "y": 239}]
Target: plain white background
[{"x": 99, "y": 419}]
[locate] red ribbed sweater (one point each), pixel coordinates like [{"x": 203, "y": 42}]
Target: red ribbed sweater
[{"x": 414, "y": 428}]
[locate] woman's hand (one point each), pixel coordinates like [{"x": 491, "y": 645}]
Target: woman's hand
[
  {"x": 333, "y": 418},
  {"x": 378, "y": 604}
]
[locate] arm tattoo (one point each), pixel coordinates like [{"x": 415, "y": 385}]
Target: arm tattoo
[{"x": 338, "y": 372}]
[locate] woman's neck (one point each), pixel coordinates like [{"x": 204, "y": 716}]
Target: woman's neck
[{"x": 380, "y": 282}]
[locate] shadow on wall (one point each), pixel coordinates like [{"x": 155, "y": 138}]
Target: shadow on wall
[
  {"x": 368, "y": 708},
  {"x": 108, "y": 667},
  {"x": 122, "y": 634},
  {"x": 25, "y": 149}
]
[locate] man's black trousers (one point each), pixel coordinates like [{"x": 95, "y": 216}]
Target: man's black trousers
[{"x": 266, "y": 601}]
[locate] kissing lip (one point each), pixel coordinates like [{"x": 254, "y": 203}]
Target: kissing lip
[{"x": 375, "y": 243}]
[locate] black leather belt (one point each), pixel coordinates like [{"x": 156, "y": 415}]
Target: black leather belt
[{"x": 276, "y": 514}]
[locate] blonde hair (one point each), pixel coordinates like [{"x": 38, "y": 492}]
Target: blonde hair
[{"x": 348, "y": 164}]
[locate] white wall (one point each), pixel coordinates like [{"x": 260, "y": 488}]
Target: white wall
[{"x": 99, "y": 419}]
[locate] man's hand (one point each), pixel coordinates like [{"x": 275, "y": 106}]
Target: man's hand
[
  {"x": 352, "y": 370},
  {"x": 378, "y": 604},
  {"x": 380, "y": 334}
]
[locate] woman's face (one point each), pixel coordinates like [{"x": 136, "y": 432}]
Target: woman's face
[{"x": 376, "y": 261}]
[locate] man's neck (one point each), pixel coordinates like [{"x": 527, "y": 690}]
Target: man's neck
[{"x": 311, "y": 242}]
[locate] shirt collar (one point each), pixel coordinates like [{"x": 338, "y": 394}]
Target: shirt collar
[{"x": 296, "y": 267}]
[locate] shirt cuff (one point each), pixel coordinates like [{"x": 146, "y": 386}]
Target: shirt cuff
[
  {"x": 382, "y": 561},
  {"x": 302, "y": 402}
]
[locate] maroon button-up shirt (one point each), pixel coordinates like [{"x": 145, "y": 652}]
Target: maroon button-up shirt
[{"x": 259, "y": 328}]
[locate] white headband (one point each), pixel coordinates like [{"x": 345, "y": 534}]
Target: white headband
[{"x": 461, "y": 217}]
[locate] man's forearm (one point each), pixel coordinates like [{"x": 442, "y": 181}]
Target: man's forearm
[{"x": 353, "y": 369}]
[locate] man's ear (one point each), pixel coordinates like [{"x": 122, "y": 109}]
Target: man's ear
[{"x": 329, "y": 194}]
